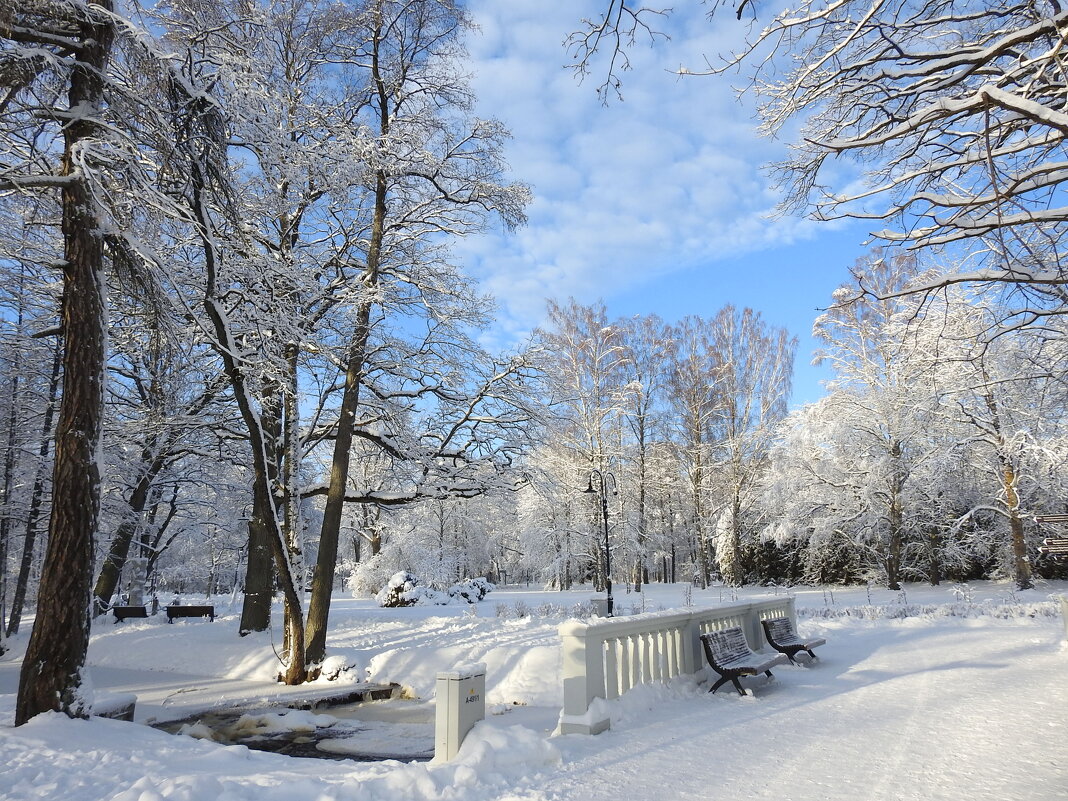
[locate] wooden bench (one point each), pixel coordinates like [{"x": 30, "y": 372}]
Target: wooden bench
[
  {"x": 190, "y": 611},
  {"x": 123, "y": 612},
  {"x": 782, "y": 637},
  {"x": 730, "y": 656}
]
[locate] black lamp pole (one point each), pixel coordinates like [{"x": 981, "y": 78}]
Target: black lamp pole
[{"x": 601, "y": 477}]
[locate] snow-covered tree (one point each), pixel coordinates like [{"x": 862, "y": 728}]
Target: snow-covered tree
[{"x": 752, "y": 390}]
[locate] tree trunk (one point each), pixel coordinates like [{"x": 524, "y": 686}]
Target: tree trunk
[
  {"x": 934, "y": 570},
  {"x": 288, "y": 460},
  {"x": 259, "y": 571},
  {"x": 9, "y": 481},
  {"x": 107, "y": 582},
  {"x": 51, "y": 677},
  {"x": 1020, "y": 563},
  {"x": 259, "y": 579},
  {"x": 29, "y": 543},
  {"x": 264, "y": 512},
  {"x": 330, "y": 533}
]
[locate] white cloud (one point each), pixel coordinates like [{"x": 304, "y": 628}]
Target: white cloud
[{"x": 666, "y": 181}]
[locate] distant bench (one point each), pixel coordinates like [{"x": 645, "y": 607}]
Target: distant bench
[
  {"x": 781, "y": 636},
  {"x": 730, "y": 656},
  {"x": 190, "y": 611},
  {"x": 123, "y": 612}
]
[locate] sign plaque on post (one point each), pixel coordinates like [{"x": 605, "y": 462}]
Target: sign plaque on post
[{"x": 459, "y": 705}]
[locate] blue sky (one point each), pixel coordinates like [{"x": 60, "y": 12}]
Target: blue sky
[{"x": 655, "y": 204}]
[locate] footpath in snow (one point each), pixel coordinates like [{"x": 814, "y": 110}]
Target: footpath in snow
[{"x": 938, "y": 693}]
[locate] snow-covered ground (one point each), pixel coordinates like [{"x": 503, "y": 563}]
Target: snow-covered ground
[{"x": 934, "y": 693}]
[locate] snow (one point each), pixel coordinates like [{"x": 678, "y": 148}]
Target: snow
[{"x": 934, "y": 693}]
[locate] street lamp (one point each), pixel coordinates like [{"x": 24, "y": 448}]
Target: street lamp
[{"x": 605, "y": 478}]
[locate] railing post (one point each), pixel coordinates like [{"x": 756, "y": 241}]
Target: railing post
[
  {"x": 754, "y": 632},
  {"x": 582, "y": 667},
  {"x": 791, "y": 611},
  {"x": 691, "y": 651}
]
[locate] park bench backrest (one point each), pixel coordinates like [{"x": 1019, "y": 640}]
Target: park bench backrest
[
  {"x": 779, "y": 629},
  {"x": 726, "y": 645}
]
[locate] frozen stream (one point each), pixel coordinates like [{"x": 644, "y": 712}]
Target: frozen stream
[{"x": 367, "y": 732}]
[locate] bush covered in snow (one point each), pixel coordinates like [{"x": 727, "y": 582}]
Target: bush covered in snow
[
  {"x": 404, "y": 589},
  {"x": 472, "y": 589},
  {"x": 368, "y": 578}
]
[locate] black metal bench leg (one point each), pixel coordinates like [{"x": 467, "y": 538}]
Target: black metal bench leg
[
  {"x": 810, "y": 653},
  {"x": 722, "y": 680},
  {"x": 768, "y": 674},
  {"x": 737, "y": 685}
]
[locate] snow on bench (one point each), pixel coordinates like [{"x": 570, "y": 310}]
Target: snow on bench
[
  {"x": 730, "y": 656},
  {"x": 780, "y": 634}
]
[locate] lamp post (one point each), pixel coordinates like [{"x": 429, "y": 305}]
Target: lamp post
[{"x": 604, "y": 478}]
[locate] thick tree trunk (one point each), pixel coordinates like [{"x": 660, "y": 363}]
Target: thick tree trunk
[
  {"x": 733, "y": 574},
  {"x": 704, "y": 555},
  {"x": 259, "y": 579},
  {"x": 641, "y": 570},
  {"x": 896, "y": 515},
  {"x": 33, "y": 516},
  {"x": 51, "y": 677},
  {"x": 259, "y": 571},
  {"x": 1010, "y": 479}
]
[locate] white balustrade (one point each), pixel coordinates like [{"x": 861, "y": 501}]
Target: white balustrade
[{"x": 603, "y": 660}]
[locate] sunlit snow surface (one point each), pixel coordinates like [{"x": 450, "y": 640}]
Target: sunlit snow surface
[{"x": 936, "y": 693}]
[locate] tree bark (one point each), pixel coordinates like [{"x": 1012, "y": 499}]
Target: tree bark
[
  {"x": 259, "y": 578},
  {"x": 51, "y": 677},
  {"x": 259, "y": 570},
  {"x": 9, "y": 480},
  {"x": 1021, "y": 564}
]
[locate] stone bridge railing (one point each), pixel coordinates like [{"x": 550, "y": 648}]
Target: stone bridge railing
[{"x": 604, "y": 659}]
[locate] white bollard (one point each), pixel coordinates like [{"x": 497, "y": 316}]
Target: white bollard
[{"x": 460, "y": 704}]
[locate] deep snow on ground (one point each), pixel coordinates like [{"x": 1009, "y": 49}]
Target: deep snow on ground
[{"x": 934, "y": 693}]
